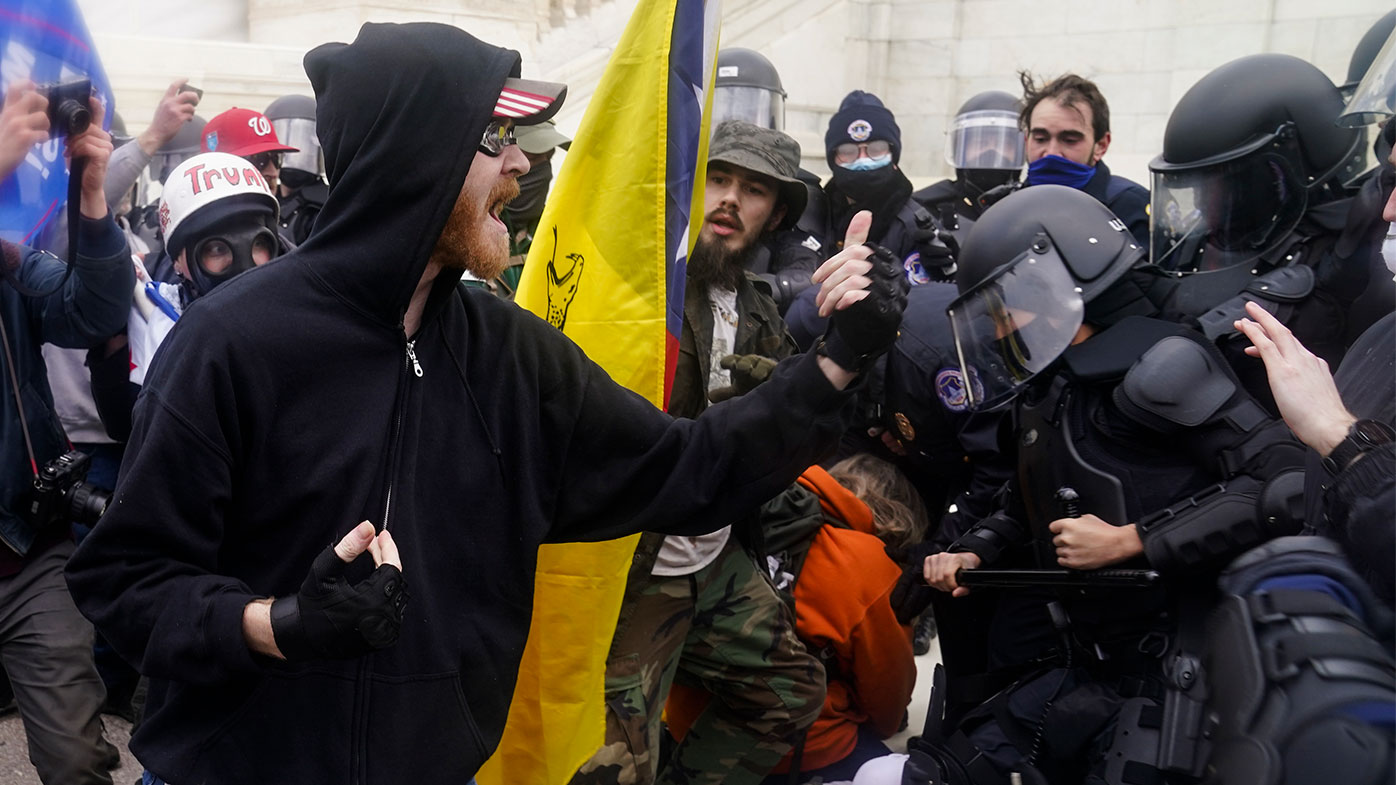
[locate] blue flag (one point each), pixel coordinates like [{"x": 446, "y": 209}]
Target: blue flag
[{"x": 46, "y": 41}]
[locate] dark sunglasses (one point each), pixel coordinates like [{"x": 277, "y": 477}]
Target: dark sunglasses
[
  {"x": 260, "y": 160},
  {"x": 496, "y": 138}
]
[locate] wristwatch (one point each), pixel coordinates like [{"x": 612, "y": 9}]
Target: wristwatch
[{"x": 1365, "y": 435}]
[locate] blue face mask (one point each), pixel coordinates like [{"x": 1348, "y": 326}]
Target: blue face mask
[
  {"x": 1056, "y": 170},
  {"x": 866, "y": 164}
]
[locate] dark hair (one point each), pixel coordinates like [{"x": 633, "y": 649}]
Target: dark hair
[
  {"x": 1070, "y": 90},
  {"x": 899, "y": 515}
]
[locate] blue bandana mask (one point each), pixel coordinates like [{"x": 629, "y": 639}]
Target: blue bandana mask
[
  {"x": 1056, "y": 170},
  {"x": 866, "y": 164}
]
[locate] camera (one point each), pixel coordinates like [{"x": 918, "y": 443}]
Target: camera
[
  {"x": 68, "y": 109},
  {"x": 60, "y": 494}
]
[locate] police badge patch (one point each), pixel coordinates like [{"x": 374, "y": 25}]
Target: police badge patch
[
  {"x": 859, "y": 130},
  {"x": 950, "y": 387},
  {"x": 916, "y": 275}
]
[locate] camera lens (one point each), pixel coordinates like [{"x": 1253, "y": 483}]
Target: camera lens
[
  {"x": 86, "y": 503},
  {"x": 73, "y": 117}
]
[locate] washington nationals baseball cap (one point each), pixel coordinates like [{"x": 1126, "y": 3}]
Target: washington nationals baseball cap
[{"x": 242, "y": 132}]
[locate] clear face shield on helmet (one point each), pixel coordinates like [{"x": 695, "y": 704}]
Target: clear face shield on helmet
[
  {"x": 986, "y": 139},
  {"x": 1220, "y": 215},
  {"x": 165, "y": 162},
  {"x": 1011, "y": 326},
  {"x": 755, "y": 105},
  {"x": 1375, "y": 96},
  {"x": 299, "y": 132}
]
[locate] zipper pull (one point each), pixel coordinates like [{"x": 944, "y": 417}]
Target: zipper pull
[{"x": 412, "y": 358}]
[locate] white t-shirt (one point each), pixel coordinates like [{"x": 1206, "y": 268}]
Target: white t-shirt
[{"x": 687, "y": 555}]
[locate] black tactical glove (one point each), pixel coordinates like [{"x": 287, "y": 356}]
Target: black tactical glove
[
  {"x": 938, "y": 253},
  {"x": 912, "y": 595},
  {"x": 331, "y": 619},
  {"x": 748, "y": 370},
  {"x": 859, "y": 334}
]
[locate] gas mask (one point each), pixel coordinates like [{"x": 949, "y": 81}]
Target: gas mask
[{"x": 231, "y": 246}]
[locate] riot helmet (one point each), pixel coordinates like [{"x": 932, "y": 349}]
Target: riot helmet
[
  {"x": 1246, "y": 151},
  {"x": 747, "y": 88},
  {"x": 1028, "y": 272},
  {"x": 985, "y": 142},
  {"x": 293, "y": 119},
  {"x": 119, "y": 136},
  {"x": 184, "y": 145},
  {"x": 218, "y": 208}
]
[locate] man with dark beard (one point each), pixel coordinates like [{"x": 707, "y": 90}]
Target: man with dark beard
[
  {"x": 698, "y": 610},
  {"x": 356, "y": 381}
]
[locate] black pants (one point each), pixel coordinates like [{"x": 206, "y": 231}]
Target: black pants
[{"x": 46, "y": 647}]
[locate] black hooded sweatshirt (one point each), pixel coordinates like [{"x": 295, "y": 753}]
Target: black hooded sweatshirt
[{"x": 284, "y": 409}]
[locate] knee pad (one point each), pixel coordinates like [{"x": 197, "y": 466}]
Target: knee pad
[{"x": 1300, "y": 688}]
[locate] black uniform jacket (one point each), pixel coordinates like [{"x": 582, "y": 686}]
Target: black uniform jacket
[{"x": 286, "y": 407}]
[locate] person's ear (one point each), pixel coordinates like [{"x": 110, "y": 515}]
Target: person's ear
[
  {"x": 1098, "y": 152},
  {"x": 777, "y": 215},
  {"x": 182, "y": 266}
]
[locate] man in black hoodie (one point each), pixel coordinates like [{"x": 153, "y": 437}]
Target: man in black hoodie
[{"x": 356, "y": 381}]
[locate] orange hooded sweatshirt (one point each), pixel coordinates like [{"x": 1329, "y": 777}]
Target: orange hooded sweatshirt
[{"x": 842, "y": 603}]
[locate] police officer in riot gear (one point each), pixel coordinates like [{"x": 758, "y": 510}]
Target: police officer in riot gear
[
  {"x": 1249, "y": 203},
  {"x": 1175, "y": 466},
  {"x": 302, "y": 189},
  {"x": 985, "y": 146},
  {"x": 748, "y": 88}
]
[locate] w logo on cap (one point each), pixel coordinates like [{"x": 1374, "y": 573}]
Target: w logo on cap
[{"x": 259, "y": 125}]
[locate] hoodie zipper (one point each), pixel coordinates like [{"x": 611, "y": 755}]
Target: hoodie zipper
[
  {"x": 393, "y": 446},
  {"x": 359, "y": 762}
]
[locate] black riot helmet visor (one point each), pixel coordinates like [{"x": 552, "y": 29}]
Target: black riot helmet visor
[
  {"x": 1216, "y": 214},
  {"x": 1012, "y": 325}
]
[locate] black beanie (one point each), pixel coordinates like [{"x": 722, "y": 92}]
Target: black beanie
[{"x": 861, "y": 118}]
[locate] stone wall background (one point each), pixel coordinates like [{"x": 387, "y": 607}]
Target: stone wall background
[{"x": 922, "y": 57}]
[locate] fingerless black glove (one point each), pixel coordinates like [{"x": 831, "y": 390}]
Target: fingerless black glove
[
  {"x": 859, "y": 334},
  {"x": 332, "y": 619}
]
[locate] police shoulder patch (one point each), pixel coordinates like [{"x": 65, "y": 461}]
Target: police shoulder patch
[
  {"x": 950, "y": 387},
  {"x": 916, "y": 275}
]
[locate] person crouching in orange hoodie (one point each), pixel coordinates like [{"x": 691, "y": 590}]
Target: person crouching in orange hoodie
[{"x": 825, "y": 553}]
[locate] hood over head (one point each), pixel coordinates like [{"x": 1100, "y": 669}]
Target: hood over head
[{"x": 400, "y": 113}]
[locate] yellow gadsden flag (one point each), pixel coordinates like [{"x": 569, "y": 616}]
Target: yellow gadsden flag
[{"x": 607, "y": 267}]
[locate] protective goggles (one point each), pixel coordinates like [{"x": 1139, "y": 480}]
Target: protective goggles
[
  {"x": 848, "y": 152},
  {"x": 497, "y": 136}
]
